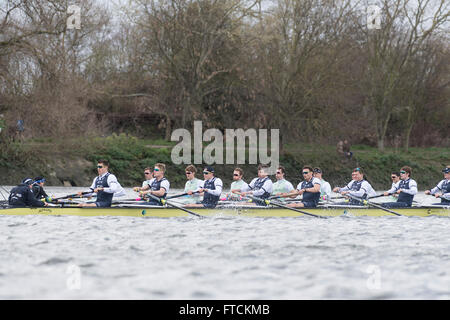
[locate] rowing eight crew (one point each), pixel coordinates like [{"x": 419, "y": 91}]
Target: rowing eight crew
[
  {"x": 312, "y": 188},
  {"x": 105, "y": 185}
]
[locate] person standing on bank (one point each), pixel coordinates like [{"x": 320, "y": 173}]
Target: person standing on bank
[
  {"x": 406, "y": 190},
  {"x": 105, "y": 185}
]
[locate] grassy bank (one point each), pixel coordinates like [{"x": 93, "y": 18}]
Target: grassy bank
[{"x": 74, "y": 162}]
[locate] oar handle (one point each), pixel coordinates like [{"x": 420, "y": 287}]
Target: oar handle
[
  {"x": 72, "y": 195},
  {"x": 379, "y": 196},
  {"x": 429, "y": 194}
]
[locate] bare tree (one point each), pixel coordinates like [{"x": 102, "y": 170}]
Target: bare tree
[
  {"x": 190, "y": 43},
  {"x": 403, "y": 32}
]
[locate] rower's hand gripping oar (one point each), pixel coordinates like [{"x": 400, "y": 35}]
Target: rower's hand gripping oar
[
  {"x": 267, "y": 201},
  {"x": 372, "y": 204},
  {"x": 163, "y": 201}
]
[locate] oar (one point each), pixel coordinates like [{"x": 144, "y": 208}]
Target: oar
[
  {"x": 379, "y": 196},
  {"x": 286, "y": 207},
  {"x": 434, "y": 195},
  {"x": 75, "y": 195},
  {"x": 163, "y": 201},
  {"x": 373, "y": 205},
  {"x": 143, "y": 198},
  {"x": 180, "y": 195}
]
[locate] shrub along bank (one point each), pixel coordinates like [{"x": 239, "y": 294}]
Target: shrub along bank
[{"x": 73, "y": 162}]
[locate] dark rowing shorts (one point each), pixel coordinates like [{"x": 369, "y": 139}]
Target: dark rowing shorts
[
  {"x": 153, "y": 202},
  {"x": 103, "y": 204},
  {"x": 309, "y": 204},
  {"x": 209, "y": 205}
]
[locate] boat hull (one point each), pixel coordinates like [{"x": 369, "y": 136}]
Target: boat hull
[{"x": 161, "y": 212}]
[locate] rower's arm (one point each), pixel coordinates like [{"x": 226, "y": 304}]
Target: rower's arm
[
  {"x": 158, "y": 193},
  {"x": 314, "y": 189},
  {"x": 291, "y": 194},
  {"x": 267, "y": 187},
  {"x": 360, "y": 193},
  {"x": 437, "y": 188},
  {"x": 392, "y": 190},
  {"x": 34, "y": 202},
  {"x": 114, "y": 185},
  {"x": 218, "y": 185},
  {"x": 346, "y": 188},
  {"x": 412, "y": 188}
]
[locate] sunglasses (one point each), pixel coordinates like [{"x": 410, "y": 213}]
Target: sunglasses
[
  {"x": 278, "y": 172},
  {"x": 305, "y": 172},
  {"x": 188, "y": 172},
  {"x": 393, "y": 177},
  {"x": 236, "y": 175},
  {"x": 99, "y": 167},
  {"x": 156, "y": 169},
  {"x": 147, "y": 173},
  {"x": 402, "y": 172},
  {"x": 206, "y": 172}
]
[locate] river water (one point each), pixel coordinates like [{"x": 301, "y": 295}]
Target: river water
[{"x": 70, "y": 257}]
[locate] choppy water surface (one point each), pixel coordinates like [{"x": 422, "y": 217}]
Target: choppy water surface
[{"x": 45, "y": 257}]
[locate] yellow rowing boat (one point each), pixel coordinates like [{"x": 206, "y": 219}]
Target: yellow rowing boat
[{"x": 246, "y": 211}]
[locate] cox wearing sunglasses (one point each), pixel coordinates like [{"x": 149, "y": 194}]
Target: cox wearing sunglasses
[
  {"x": 406, "y": 190},
  {"x": 105, "y": 185},
  {"x": 159, "y": 186},
  {"x": 192, "y": 184},
  {"x": 309, "y": 188},
  {"x": 211, "y": 190},
  {"x": 38, "y": 189}
]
